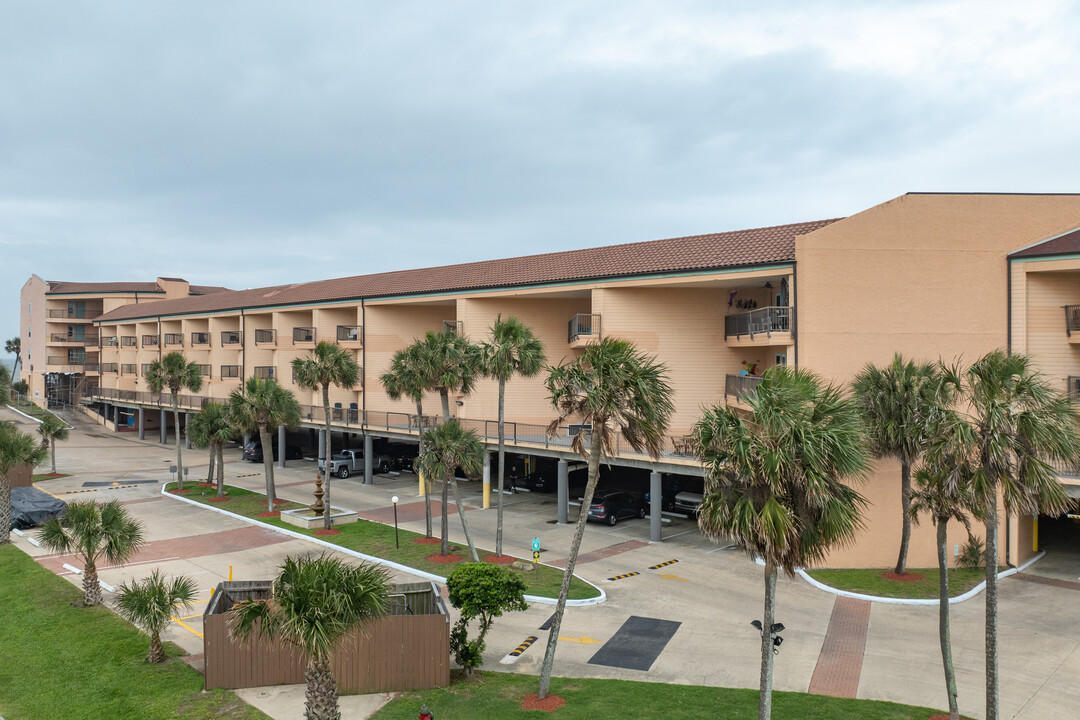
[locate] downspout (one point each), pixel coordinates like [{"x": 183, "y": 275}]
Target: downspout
[
  {"x": 795, "y": 313},
  {"x": 1008, "y": 349},
  {"x": 159, "y": 338},
  {"x": 243, "y": 351},
  {"x": 363, "y": 363}
]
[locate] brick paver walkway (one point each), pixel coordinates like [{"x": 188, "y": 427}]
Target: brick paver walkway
[
  {"x": 1067, "y": 584},
  {"x": 840, "y": 663},
  {"x": 604, "y": 552}
]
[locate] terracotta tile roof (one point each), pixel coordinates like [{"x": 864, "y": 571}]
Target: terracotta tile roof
[
  {"x": 62, "y": 287},
  {"x": 759, "y": 246},
  {"x": 1067, "y": 244}
]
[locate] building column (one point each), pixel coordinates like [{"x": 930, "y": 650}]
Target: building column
[
  {"x": 487, "y": 480},
  {"x": 369, "y": 460},
  {"x": 164, "y": 426},
  {"x": 322, "y": 445},
  {"x": 564, "y": 491},
  {"x": 280, "y": 446},
  {"x": 187, "y": 435},
  {"x": 142, "y": 424},
  {"x": 655, "y": 506}
]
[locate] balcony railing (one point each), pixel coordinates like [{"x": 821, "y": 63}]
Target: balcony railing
[
  {"x": 739, "y": 386},
  {"x": 765, "y": 320},
  {"x": 146, "y": 368},
  {"x": 70, "y": 314},
  {"x": 127, "y": 369},
  {"x": 108, "y": 341},
  {"x": 230, "y": 337},
  {"x": 1072, "y": 319},
  {"x": 200, "y": 338},
  {"x": 230, "y": 371},
  {"x": 109, "y": 367},
  {"x": 264, "y": 371},
  {"x": 91, "y": 367},
  {"x": 303, "y": 335},
  {"x": 129, "y": 341},
  {"x": 204, "y": 370},
  {"x": 1072, "y": 387},
  {"x": 265, "y": 337},
  {"x": 350, "y": 333},
  {"x": 149, "y": 340},
  {"x": 583, "y": 326},
  {"x": 174, "y": 339},
  {"x": 56, "y": 360},
  {"x": 453, "y": 326}
]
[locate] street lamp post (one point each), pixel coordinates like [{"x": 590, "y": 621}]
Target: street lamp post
[{"x": 397, "y": 544}]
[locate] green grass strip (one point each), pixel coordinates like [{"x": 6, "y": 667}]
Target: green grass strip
[
  {"x": 61, "y": 661},
  {"x": 498, "y": 696},
  {"x": 376, "y": 539},
  {"x": 872, "y": 582}
]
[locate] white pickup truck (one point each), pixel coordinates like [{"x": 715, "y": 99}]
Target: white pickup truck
[{"x": 347, "y": 462}]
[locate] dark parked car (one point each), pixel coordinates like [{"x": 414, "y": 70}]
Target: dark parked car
[
  {"x": 669, "y": 488},
  {"x": 535, "y": 482},
  {"x": 613, "y": 505},
  {"x": 253, "y": 452}
]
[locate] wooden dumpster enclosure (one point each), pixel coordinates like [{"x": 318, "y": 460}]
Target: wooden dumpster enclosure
[{"x": 407, "y": 649}]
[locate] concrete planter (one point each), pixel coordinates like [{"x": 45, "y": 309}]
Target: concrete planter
[{"x": 304, "y": 518}]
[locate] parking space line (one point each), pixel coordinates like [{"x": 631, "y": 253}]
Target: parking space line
[{"x": 187, "y": 627}]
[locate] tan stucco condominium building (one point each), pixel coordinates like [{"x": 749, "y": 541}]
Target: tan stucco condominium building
[{"x": 928, "y": 275}]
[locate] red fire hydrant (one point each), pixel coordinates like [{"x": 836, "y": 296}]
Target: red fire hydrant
[{"x": 425, "y": 714}]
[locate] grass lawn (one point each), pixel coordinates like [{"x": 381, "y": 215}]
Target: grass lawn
[
  {"x": 38, "y": 477},
  {"x": 871, "y": 582},
  {"x": 372, "y": 538},
  {"x": 31, "y": 409},
  {"x": 498, "y": 695},
  {"x": 60, "y": 661}
]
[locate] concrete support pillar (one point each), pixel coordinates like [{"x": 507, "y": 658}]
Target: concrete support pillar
[
  {"x": 280, "y": 446},
  {"x": 142, "y": 424},
  {"x": 187, "y": 435},
  {"x": 164, "y": 426},
  {"x": 487, "y": 480},
  {"x": 564, "y": 491},
  {"x": 655, "y": 506},
  {"x": 369, "y": 460},
  {"x": 322, "y": 445},
  {"x": 116, "y": 418}
]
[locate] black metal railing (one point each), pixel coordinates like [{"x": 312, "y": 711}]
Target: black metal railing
[
  {"x": 230, "y": 371},
  {"x": 109, "y": 367},
  {"x": 230, "y": 337},
  {"x": 1072, "y": 319},
  {"x": 146, "y": 368},
  {"x": 129, "y": 341},
  {"x": 453, "y": 326},
  {"x": 350, "y": 333},
  {"x": 200, "y": 338},
  {"x": 149, "y": 340},
  {"x": 303, "y": 335},
  {"x": 739, "y": 386},
  {"x": 766, "y": 320},
  {"x": 265, "y": 337},
  {"x": 174, "y": 339},
  {"x": 109, "y": 341},
  {"x": 127, "y": 369},
  {"x": 204, "y": 370},
  {"x": 264, "y": 371},
  {"x": 1072, "y": 387},
  {"x": 583, "y": 325}
]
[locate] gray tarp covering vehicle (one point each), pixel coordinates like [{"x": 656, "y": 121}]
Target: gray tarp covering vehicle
[{"x": 31, "y": 507}]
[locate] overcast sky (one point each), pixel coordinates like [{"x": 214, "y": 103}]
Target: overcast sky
[{"x": 255, "y": 143}]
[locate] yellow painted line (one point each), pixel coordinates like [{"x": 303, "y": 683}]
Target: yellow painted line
[
  {"x": 584, "y": 640},
  {"x": 187, "y": 627},
  {"x": 674, "y": 577}
]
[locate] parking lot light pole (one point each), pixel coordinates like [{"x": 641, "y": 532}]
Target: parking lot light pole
[{"x": 397, "y": 544}]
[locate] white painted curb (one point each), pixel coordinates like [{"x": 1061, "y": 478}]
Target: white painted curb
[
  {"x": 913, "y": 601},
  {"x": 377, "y": 560}
]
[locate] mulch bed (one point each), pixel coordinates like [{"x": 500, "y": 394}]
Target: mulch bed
[
  {"x": 451, "y": 558},
  {"x": 279, "y": 501},
  {"x": 906, "y": 577},
  {"x": 945, "y": 717},
  {"x": 324, "y": 533},
  {"x": 499, "y": 559},
  {"x": 54, "y": 475},
  {"x": 549, "y": 704},
  {"x": 269, "y": 514},
  {"x": 218, "y": 499},
  {"x": 427, "y": 541},
  {"x": 206, "y": 485},
  {"x": 179, "y": 492}
]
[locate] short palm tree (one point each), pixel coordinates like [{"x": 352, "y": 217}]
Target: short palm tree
[
  {"x": 52, "y": 429},
  {"x": 897, "y": 403},
  {"x": 1012, "y": 426},
  {"x": 175, "y": 373},
  {"x": 452, "y": 364},
  {"x": 330, "y": 364},
  {"x": 150, "y": 603},
  {"x": 263, "y": 405},
  {"x": 774, "y": 481},
  {"x": 617, "y": 389},
  {"x": 92, "y": 532},
  {"x": 449, "y": 447},
  {"x": 14, "y": 346},
  {"x": 212, "y": 428},
  {"x": 407, "y": 378},
  {"x": 316, "y": 602},
  {"x": 5, "y": 383},
  {"x": 16, "y": 448},
  {"x": 513, "y": 350}
]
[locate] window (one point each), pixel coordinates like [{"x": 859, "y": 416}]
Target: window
[
  {"x": 145, "y": 369},
  {"x": 127, "y": 369},
  {"x": 264, "y": 371},
  {"x": 204, "y": 370},
  {"x": 230, "y": 371}
]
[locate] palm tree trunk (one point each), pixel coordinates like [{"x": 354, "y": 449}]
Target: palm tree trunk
[
  {"x": 595, "y": 447},
  {"x": 461, "y": 514},
  {"x": 90, "y": 585},
  {"x": 943, "y": 618},
  {"x": 322, "y": 694},
  {"x": 52, "y": 452},
  {"x": 179, "y": 459},
  {"x": 156, "y": 653},
  {"x": 992, "y": 692},
  {"x": 905, "y": 505},
  {"x": 420, "y": 453},
  {"x": 5, "y": 509},
  {"x": 268, "y": 465},
  {"x": 765, "y": 695},
  {"x": 326, "y": 466},
  {"x": 210, "y": 465},
  {"x": 444, "y": 396},
  {"x": 502, "y": 466},
  {"x": 220, "y": 469},
  {"x": 445, "y": 550}
]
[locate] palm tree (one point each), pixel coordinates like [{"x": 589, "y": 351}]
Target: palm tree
[
  {"x": 452, "y": 364},
  {"x": 93, "y": 531},
  {"x": 52, "y": 429},
  {"x": 316, "y": 601},
  {"x": 151, "y": 603},
  {"x": 774, "y": 481},
  {"x": 407, "y": 377},
  {"x": 16, "y": 448},
  {"x": 331, "y": 365},
  {"x": 449, "y": 447},
  {"x": 616, "y": 389},
  {"x": 944, "y": 490},
  {"x": 264, "y": 405},
  {"x": 5, "y": 383},
  {"x": 1011, "y": 425},
  {"x": 513, "y": 350},
  {"x": 212, "y": 428},
  {"x": 14, "y": 346},
  {"x": 897, "y": 402},
  {"x": 175, "y": 373}
]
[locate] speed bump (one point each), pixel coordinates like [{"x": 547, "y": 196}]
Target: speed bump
[
  {"x": 511, "y": 657},
  {"x": 624, "y": 575},
  {"x": 249, "y": 475},
  {"x": 663, "y": 564}
]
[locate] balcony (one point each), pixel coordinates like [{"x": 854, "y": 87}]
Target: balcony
[
  {"x": 1072, "y": 388},
  {"x": 200, "y": 338},
  {"x": 80, "y": 314},
  {"x": 127, "y": 369},
  {"x": 453, "y": 326},
  {"x": 149, "y": 341},
  {"x": 230, "y": 337},
  {"x": 64, "y": 338},
  {"x": 350, "y": 334},
  {"x": 583, "y": 329},
  {"x": 264, "y": 372},
  {"x": 266, "y": 337},
  {"x": 174, "y": 339},
  {"x": 302, "y": 335},
  {"x": 109, "y": 341},
  {"x": 109, "y": 367},
  {"x": 229, "y": 372},
  {"x": 739, "y": 386},
  {"x": 129, "y": 341},
  {"x": 204, "y": 371},
  {"x": 759, "y": 326},
  {"x": 1072, "y": 323}
]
